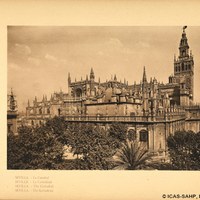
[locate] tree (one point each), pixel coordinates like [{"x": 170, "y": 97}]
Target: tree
[
  {"x": 184, "y": 150},
  {"x": 117, "y": 131},
  {"x": 93, "y": 147},
  {"x": 37, "y": 148},
  {"x": 131, "y": 156}
]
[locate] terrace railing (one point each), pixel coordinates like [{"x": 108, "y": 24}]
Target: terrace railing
[{"x": 99, "y": 118}]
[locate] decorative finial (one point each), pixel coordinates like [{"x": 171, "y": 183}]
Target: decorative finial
[{"x": 184, "y": 28}]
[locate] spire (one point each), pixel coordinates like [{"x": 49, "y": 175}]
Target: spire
[
  {"x": 35, "y": 99},
  {"x": 28, "y": 103},
  {"x": 144, "y": 78},
  {"x": 92, "y": 74},
  {"x": 86, "y": 77},
  {"x": 115, "y": 78},
  {"x": 69, "y": 78},
  {"x": 99, "y": 80}
]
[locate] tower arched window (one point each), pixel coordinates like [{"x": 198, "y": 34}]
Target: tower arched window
[
  {"x": 182, "y": 66},
  {"x": 189, "y": 67},
  {"x": 183, "y": 53},
  {"x": 59, "y": 111}
]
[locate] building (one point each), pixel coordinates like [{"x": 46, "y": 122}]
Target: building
[{"x": 152, "y": 109}]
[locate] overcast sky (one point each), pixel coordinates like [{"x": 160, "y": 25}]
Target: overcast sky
[{"x": 39, "y": 58}]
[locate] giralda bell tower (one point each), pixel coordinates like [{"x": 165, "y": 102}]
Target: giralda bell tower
[{"x": 184, "y": 66}]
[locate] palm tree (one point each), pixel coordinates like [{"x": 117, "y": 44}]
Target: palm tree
[{"x": 133, "y": 155}]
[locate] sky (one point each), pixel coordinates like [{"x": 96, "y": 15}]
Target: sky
[{"x": 40, "y": 58}]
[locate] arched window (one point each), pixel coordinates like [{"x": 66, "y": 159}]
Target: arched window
[
  {"x": 143, "y": 135},
  {"x": 183, "y": 53},
  {"x": 32, "y": 122},
  {"x": 186, "y": 67},
  {"x": 59, "y": 111},
  {"x": 131, "y": 135},
  {"x": 40, "y": 111},
  {"x": 78, "y": 92},
  {"x": 48, "y": 110},
  {"x": 182, "y": 66}
]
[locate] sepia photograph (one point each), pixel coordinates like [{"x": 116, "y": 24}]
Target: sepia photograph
[
  {"x": 99, "y": 100},
  {"x": 103, "y": 98}
]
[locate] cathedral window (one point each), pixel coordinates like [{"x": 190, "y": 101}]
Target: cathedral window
[
  {"x": 48, "y": 111},
  {"x": 189, "y": 67},
  {"x": 143, "y": 136},
  {"x": 131, "y": 135},
  {"x": 78, "y": 92},
  {"x": 40, "y": 111}
]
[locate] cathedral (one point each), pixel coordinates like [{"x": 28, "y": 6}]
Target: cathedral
[
  {"x": 152, "y": 109},
  {"x": 116, "y": 98}
]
